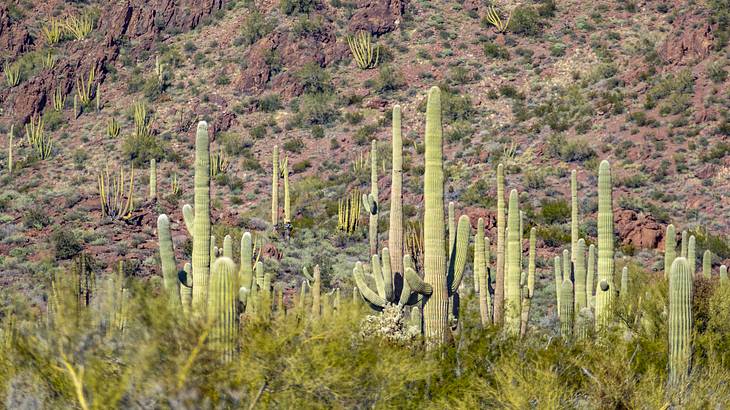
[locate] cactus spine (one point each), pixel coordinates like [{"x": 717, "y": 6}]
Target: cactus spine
[
  {"x": 371, "y": 200},
  {"x": 201, "y": 224},
  {"x": 692, "y": 255},
  {"x": 670, "y": 249},
  {"x": 581, "y": 297},
  {"x": 167, "y": 257},
  {"x": 222, "y": 308},
  {"x": 513, "y": 271},
  {"x": 605, "y": 290},
  {"x": 153, "y": 179},
  {"x": 481, "y": 254},
  {"x": 680, "y": 321},
  {"x": 566, "y": 309},
  {"x": 395, "y": 233},
  {"x": 707, "y": 264},
  {"x": 573, "y": 215},
  {"x": 684, "y": 244},
  {"x": 499, "y": 284},
  {"x": 275, "y": 188}
]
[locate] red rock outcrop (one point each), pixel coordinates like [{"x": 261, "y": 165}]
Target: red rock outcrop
[
  {"x": 377, "y": 17},
  {"x": 688, "y": 40},
  {"x": 638, "y": 229}
]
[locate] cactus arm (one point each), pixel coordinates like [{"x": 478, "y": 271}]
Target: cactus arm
[
  {"x": 452, "y": 229},
  {"x": 683, "y": 248},
  {"x": 459, "y": 252},
  {"x": 387, "y": 275},
  {"x": 417, "y": 284},
  {"x": 670, "y": 249},
  {"x": 707, "y": 264},
  {"x": 406, "y": 293},
  {"x": 692, "y": 255},
  {"x": 377, "y": 273},
  {"x": 581, "y": 299},
  {"x": 189, "y": 218},
  {"x": 228, "y": 247},
  {"x": 167, "y": 258},
  {"x": 531, "y": 263},
  {"x": 245, "y": 269},
  {"x": 307, "y": 275},
  {"x": 590, "y": 275},
  {"x": 370, "y": 296},
  {"x": 185, "y": 277}
]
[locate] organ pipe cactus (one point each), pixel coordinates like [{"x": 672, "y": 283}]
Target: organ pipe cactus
[
  {"x": 579, "y": 273},
  {"x": 370, "y": 201},
  {"x": 605, "y": 290},
  {"x": 573, "y": 215},
  {"x": 201, "y": 220},
  {"x": 513, "y": 270},
  {"x": 566, "y": 309},
  {"x": 441, "y": 277},
  {"x": 670, "y": 249},
  {"x": 275, "y": 187},
  {"x": 222, "y": 302},
  {"x": 499, "y": 284},
  {"x": 170, "y": 278},
  {"x": 707, "y": 264},
  {"x": 680, "y": 321},
  {"x": 692, "y": 255},
  {"x": 395, "y": 233}
]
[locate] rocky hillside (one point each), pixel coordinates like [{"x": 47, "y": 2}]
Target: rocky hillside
[{"x": 643, "y": 84}]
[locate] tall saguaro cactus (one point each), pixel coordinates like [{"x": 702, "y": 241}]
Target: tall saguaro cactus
[
  {"x": 566, "y": 309},
  {"x": 513, "y": 271},
  {"x": 275, "y": 187},
  {"x": 692, "y": 255},
  {"x": 480, "y": 273},
  {"x": 395, "y": 232},
  {"x": 153, "y": 179},
  {"x": 201, "y": 224},
  {"x": 558, "y": 281},
  {"x": 573, "y": 215},
  {"x": 581, "y": 298},
  {"x": 670, "y": 249},
  {"x": 605, "y": 290},
  {"x": 222, "y": 308},
  {"x": 680, "y": 321},
  {"x": 370, "y": 201},
  {"x": 590, "y": 275},
  {"x": 499, "y": 282},
  {"x": 171, "y": 282}
]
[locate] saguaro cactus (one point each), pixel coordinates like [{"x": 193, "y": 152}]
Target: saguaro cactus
[
  {"x": 573, "y": 215},
  {"x": 680, "y": 320},
  {"x": 395, "y": 233},
  {"x": 201, "y": 224},
  {"x": 167, "y": 257},
  {"x": 370, "y": 201},
  {"x": 480, "y": 272},
  {"x": 590, "y": 275},
  {"x": 287, "y": 196},
  {"x": 438, "y": 283},
  {"x": 723, "y": 274},
  {"x": 581, "y": 296},
  {"x": 707, "y": 264},
  {"x": 624, "y": 282},
  {"x": 670, "y": 249},
  {"x": 153, "y": 179},
  {"x": 513, "y": 271},
  {"x": 222, "y": 302},
  {"x": 684, "y": 244},
  {"x": 228, "y": 246},
  {"x": 245, "y": 268},
  {"x": 566, "y": 309},
  {"x": 692, "y": 255},
  {"x": 605, "y": 290},
  {"x": 499, "y": 283},
  {"x": 275, "y": 187},
  {"x": 558, "y": 281}
]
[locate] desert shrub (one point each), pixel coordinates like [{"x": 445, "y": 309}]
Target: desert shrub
[
  {"x": 140, "y": 149},
  {"x": 496, "y": 51},
  {"x": 314, "y": 79},
  {"x": 66, "y": 244},
  {"x": 269, "y": 103},
  {"x": 295, "y": 145},
  {"x": 525, "y": 20},
  {"x": 574, "y": 150},
  {"x": 36, "y": 217},
  {"x": 255, "y": 27},
  {"x": 297, "y": 6},
  {"x": 389, "y": 79},
  {"x": 317, "y": 108},
  {"x": 553, "y": 235},
  {"x": 555, "y": 211}
]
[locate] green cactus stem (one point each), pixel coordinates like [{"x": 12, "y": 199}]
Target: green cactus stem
[
  {"x": 275, "y": 188},
  {"x": 567, "y": 265},
  {"x": 185, "y": 277},
  {"x": 531, "y": 266},
  {"x": 670, "y": 249},
  {"x": 153, "y": 179},
  {"x": 395, "y": 232},
  {"x": 605, "y": 290},
  {"x": 481, "y": 252},
  {"x": 245, "y": 268},
  {"x": 499, "y": 269},
  {"x": 316, "y": 292},
  {"x": 167, "y": 257},
  {"x": 573, "y": 215},
  {"x": 222, "y": 302},
  {"x": 684, "y": 244},
  {"x": 579, "y": 274},
  {"x": 723, "y": 274},
  {"x": 590, "y": 276},
  {"x": 707, "y": 264},
  {"x": 513, "y": 271},
  {"x": 287, "y": 195},
  {"x": 680, "y": 321},
  {"x": 692, "y": 255},
  {"x": 370, "y": 201},
  {"x": 558, "y": 282},
  {"x": 228, "y": 246},
  {"x": 201, "y": 224},
  {"x": 624, "y": 293},
  {"x": 566, "y": 309}
]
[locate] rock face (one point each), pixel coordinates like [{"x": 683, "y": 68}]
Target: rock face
[
  {"x": 14, "y": 36},
  {"x": 688, "y": 40},
  {"x": 638, "y": 229},
  {"x": 377, "y": 17}
]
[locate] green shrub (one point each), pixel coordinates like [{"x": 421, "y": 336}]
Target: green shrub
[
  {"x": 525, "y": 20},
  {"x": 389, "y": 79},
  {"x": 297, "y": 6},
  {"x": 555, "y": 211},
  {"x": 140, "y": 149},
  {"x": 255, "y": 27},
  {"x": 576, "y": 150},
  {"x": 553, "y": 235},
  {"x": 66, "y": 244},
  {"x": 496, "y": 51},
  {"x": 314, "y": 79},
  {"x": 269, "y": 103},
  {"x": 295, "y": 145},
  {"x": 36, "y": 218},
  {"x": 317, "y": 108}
]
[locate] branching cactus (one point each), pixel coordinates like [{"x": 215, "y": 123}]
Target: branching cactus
[
  {"x": 513, "y": 270},
  {"x": 566, "y": 309},
  {"x": 370, "y": 201},
  {"x": 499, "y": 269},
  {"x": 395, "y": 233},
  {"x": 442, "y": 277},
  {"x": 222, "y": 305},
  {"x": 707, "y": 264},
  {"x": 670, "y": 249},
  {"x": 386, "y": 292},
  {"x": 605, "y": 290},
  {"x": 680, "y": 321},
  {"x": 170, "y": 278},
  {"x": 201, "y": 220}
]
